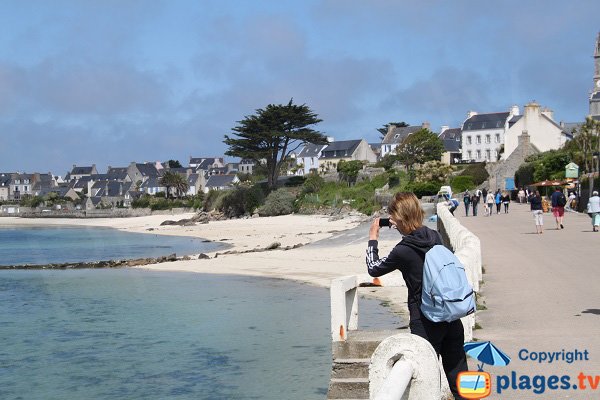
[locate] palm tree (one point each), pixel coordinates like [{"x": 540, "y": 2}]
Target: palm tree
[
  {"x": 180, "y": 184},
  {"x": 168, "y": 180}
]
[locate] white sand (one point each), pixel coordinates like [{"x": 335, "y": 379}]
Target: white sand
[{"x": 316, "y": 265}]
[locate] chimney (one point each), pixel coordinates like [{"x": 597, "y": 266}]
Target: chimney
[
  {"x": 89, "y": 187},
  {"x": 471, "y": 114},
  {"x": 120, "y": 188},
  {"x": 524, "y": 143},
  {"x": 514, "y": 110},
  {"x": 532, "y": 110},
  {"x": 331, "y": 139},
  {"x": 548, "y": 113},
  {"x": 425, "y": 125},
  {"x": 106, "y": 189}
]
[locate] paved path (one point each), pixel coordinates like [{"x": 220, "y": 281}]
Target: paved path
[{"x": 542, "y": 293}]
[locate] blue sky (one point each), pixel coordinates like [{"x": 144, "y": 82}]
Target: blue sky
[{"x": 114, "y": 81}]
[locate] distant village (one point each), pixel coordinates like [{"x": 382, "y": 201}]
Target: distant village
[{"x": 500, "y": 139}]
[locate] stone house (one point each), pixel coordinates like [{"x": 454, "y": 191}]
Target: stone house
[
  {"x": 502, "y": 173},
  {"x": 347, "y": 150},
  {"x": 112, "y": 192},
  {"x": 246, "y": 166},
  {"x": 5, "y": 186}
]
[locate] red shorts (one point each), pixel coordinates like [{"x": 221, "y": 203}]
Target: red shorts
[{"x": 558, "y": 211}]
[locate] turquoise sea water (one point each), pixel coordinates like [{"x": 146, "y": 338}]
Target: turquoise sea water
[
  {"x": 45, "y": 245},
  {"x": 133, "y": 334}
]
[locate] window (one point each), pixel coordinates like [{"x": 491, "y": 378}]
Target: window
[
  {"x": 469, "y": 126},
  {"x": 487, "y": 155},
  {"x": 469, "y": 141},
  {"x": 479, "y": 154},
  {"x": 17, "y": 181},
  {"x": 498, "y": 124},
  {"x": 469, "y": 154},
  {"x": 488, "y": 139},
  {"x": 478, "y": 139},
  {"x": 483, "y": 125},
  {"x": 497, "y": 138}
]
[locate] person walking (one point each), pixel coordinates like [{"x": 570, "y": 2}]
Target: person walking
[
  {"x": 535, "y": 203},
  {"x": 475, "y": 203},
  {"x": 467, "y": 201},
  {"x": 505, "y": 201},
  {"x": 521, "y": 196},
  {"x": 571, "y": 202},
  {"x": 498, "y": 200},
  {"x": 447, "y": 338},
  {"x": 490, "y": 204},
  {"x": 559, "y": 201},
  {"x": 593, "y": 209}
]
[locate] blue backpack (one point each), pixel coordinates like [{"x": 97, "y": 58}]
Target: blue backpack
[{"x": 446, "y": 293}]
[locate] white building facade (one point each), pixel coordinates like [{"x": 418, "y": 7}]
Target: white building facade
[
  {"x": 544, "y": 133},
  {"x": 484, "y": 134}
]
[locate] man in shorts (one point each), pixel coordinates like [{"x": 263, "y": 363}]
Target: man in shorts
[{"x": 558, "y": 207}]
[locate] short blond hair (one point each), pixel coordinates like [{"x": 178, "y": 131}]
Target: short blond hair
[{"x": 406, "y": 211}]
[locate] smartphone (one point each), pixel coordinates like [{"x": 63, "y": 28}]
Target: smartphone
[{"x": 384, "y": 222}]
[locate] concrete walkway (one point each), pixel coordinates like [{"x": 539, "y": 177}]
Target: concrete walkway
[{"x": 543, "y": 295}]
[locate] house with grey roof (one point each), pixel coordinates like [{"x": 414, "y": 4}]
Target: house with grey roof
[
  {"x": 113, "y": 192},
  {"x": 396, "y": 135},
  {"x": 196, "y": 184},
  {"x": 118, "y": 174},
  {"x": 139, "y": 172},
  {"x": 5, "y": 186},
  {"x": 483, "y": 134},
  {"x": 309, "y": 157},
  {"x": 347, "y": 150},
  {"x": 79, "y": 172},
  {"x": 206, "y": 163},
  {"x": 152, "y": 186},
  {"x": 451, "y": 138},
  {"x": 220, "y": 182},
  {"x": 246, "y": 166}
]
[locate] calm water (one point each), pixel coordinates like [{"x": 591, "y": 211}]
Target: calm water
[
  {"x": 45, "y": 245},
  {"x": 131, "y": 334}
]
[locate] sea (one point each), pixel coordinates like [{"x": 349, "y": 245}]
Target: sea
[{"x": 137, "y": 334}]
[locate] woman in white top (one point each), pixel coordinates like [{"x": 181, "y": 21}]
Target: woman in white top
[
  {"x": 489, "y": 200},
  {"x": 593, "y": 209}
]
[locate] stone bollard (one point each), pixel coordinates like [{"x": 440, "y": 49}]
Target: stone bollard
[{"x": 428, "y": 378}]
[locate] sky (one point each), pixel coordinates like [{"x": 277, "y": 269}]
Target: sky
[{"x": 114, "y": 81}]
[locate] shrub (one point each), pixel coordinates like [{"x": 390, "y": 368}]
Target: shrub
[
  {"x": 279, "y": 202},
  {"x": 142, "y": 202},
  {"x": 313, "y": 183},
  {"x": 295, "y": 181},
  {"x": 242, "y": 200},
  {"x": 477, "y": 172},
  {"x": 433, "y": 171},
  {"x": 421, "y": 189},
  {"x": 462, "y": 183}
]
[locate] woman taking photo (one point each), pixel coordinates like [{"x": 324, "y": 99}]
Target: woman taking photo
[{"x": 406, "y": 215}]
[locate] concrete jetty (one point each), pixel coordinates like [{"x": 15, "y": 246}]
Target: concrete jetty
[{"x": 542, "y": 294}]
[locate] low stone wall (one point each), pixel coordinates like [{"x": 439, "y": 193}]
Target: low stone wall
[
  {"x": 467, "y": 248},
  {"x": 99, "y": 213}
]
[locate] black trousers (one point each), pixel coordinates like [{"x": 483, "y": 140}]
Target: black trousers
[{"x": 447, "y": 338}]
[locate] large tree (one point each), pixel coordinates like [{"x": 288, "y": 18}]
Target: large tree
[
  {"x": 272, "y": 134},
  {"x": 420, "y": 147}
]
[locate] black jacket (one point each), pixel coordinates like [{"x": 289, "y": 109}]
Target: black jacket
[{"x": 408, "y": 257}]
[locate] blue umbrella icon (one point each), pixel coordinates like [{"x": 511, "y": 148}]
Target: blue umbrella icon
[{"x": 487, "y": 353}]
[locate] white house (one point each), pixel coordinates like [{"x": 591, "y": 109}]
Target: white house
[
  {"x": 220, "y": 182},
  {"x": 544, "y": 133},
  {"x": 396, "y": 135},
  {"x": 483, "y": 134},
  {"x": 309, "y": 157}
]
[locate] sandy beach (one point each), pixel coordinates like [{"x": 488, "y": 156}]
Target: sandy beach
[{"x": 328, "y": 247}]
